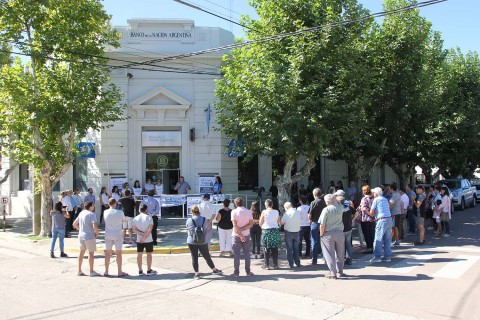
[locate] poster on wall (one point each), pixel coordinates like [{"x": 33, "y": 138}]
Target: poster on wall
[
  {"x": 117, "y": 181},
  {"x": 205, "y": 184},
  {"x": 192, "y": 200}
]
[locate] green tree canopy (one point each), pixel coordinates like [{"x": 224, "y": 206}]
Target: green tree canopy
[
  {"x": 49, "y": 102},
  {"x": 294, "y": 96}
]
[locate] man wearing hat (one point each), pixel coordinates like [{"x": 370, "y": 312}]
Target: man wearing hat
[{"x": 208, "y": 212}]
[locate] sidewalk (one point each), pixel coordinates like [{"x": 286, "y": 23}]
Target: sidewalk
[{"x": 172, "y": 237}]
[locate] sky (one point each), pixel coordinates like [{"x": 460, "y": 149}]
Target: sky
[{"x": 457, "y": 20}]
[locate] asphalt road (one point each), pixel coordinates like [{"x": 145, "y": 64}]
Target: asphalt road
[{"x": 437, "y": 281}]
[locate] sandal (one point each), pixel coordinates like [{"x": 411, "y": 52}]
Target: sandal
[
  {"x": 329, "y": 276},
  {"x": 123, "y": 274}
]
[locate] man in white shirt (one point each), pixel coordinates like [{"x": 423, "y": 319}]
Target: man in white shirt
[
  {"x": 114, "y": 235},
  {"x": 208, "y": 212},
  {"x": 142, "y": 227},
  {"x": 291, "y": 220},
  {"x": 304, "y": 227}
]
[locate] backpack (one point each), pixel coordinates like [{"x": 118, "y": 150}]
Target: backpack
[{"x": 198, "y": 234}]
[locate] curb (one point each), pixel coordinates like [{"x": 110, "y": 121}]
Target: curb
[{"x": 156, "y": 250}]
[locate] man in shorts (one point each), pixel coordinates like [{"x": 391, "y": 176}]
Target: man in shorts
[
  {"x": 86, "y": 224},
  {"x": 142, "y": 227},
  {"x": 114, "y": 219},
  {"x": 128, "y": 206}
]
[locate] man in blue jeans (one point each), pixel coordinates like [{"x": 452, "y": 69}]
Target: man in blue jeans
[
  {"x": 383, "y": 229},
  {"x": 316, "y": 207},
  {"x": 291, "y": 220}
]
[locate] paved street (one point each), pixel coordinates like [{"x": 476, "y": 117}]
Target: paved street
[{"x": 438, "y": 281}]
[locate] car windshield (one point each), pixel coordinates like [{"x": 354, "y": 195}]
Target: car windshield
[{"x": 452, "y": 184}]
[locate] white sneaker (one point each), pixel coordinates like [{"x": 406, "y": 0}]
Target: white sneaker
[
  {"x": 375, "y": 260},
  {"x": 446, "y": 235}
]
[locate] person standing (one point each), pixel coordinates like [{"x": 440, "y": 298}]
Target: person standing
[
  {"x": 446, "y": 212},
  {"x": 182, "y": 187},
  {"x": 114, "y": 219},
  {"x": 116, "y": 195},
  {"x": 383, "y": 229},
  {"x": 411, "y": 210},
  {"x": 256, "y": 230},
  {"x": 351, "y": 192},
  {"x": 128, "y": 206},
  {"x": 86, "y": 224},
  {"x": 153, "y": 211},
  {"x": 159, "y": 187},
  {"x": 67, "y": 205},
  {"x": 148, "y": 186},
  {"x": 78, "y": 203},
  {"x": 195, "y": 248},
  {"x": 58, "y": 228},
  {"x": 137, "y": 188},
  {"x": 142, "y": 226},
  {"x": 332, "y": 238},
  {"x": 225, "y": 226},
  {"x": 208, "y": 212},
  {"x": 404, "y": 201},
  {"x": 348, "y": 215},
  {"x": 271, "y": 239},
  {"x": 103, "y": 196},
  {"x": 304, "y": 227},
  {"x": 90, "y": 197},
  {"x": 242, "y": 220},
  {"x": 316, "y": 207},
  {"x": 217, "y": 186},
  {"x": 125, "y": 187},
  {"x": 420, "y": 203},
  {"x": 291, "y": 221},
  {"x": 395, "y": 205},
  {"x": 367, "y": 220}
]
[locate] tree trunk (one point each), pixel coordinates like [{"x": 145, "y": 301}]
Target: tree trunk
[
  {"x": 285, "y": 181},
  {"x": 46, "y": 196}
]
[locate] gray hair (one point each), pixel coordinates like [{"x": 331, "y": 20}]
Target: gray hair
[
  {"x": 329, "y": 198},
  {"x": 238, "y": 201},
  {"x": 287, "y": 205},
  {"x": 269, "y": 203},
  {"x": 378, "y": 191},
  {"x": 317, "y": 192}
]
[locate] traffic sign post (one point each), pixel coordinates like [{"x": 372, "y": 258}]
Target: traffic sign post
[{"x": 4, "y": 201}]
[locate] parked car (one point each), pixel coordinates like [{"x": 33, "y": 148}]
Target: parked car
[
  {"x": 476, "y": 184},
  {"x": 463, "y": 193}
]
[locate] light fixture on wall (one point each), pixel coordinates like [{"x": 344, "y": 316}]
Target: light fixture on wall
[
  {"x": 129, "y": 76},
  {"x": 192, "y": 134}
]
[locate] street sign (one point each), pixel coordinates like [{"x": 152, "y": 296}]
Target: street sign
[{"x": 4, "y": 200}]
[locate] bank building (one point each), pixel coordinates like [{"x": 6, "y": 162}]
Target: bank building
[{"x": 170, "y": 130}]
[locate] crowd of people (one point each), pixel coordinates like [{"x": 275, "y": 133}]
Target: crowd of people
[{"x": 383, "y": 216}]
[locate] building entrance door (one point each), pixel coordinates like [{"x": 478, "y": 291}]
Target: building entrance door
[{"x": 165, "y": 166}]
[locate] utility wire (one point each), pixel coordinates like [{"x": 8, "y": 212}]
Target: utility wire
[
  {"x": 21, "y": 43},
  {"x": 229, "y": 9},
  {"x": 114, "y": 66},
  {"x": 191, "y": 5}
]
